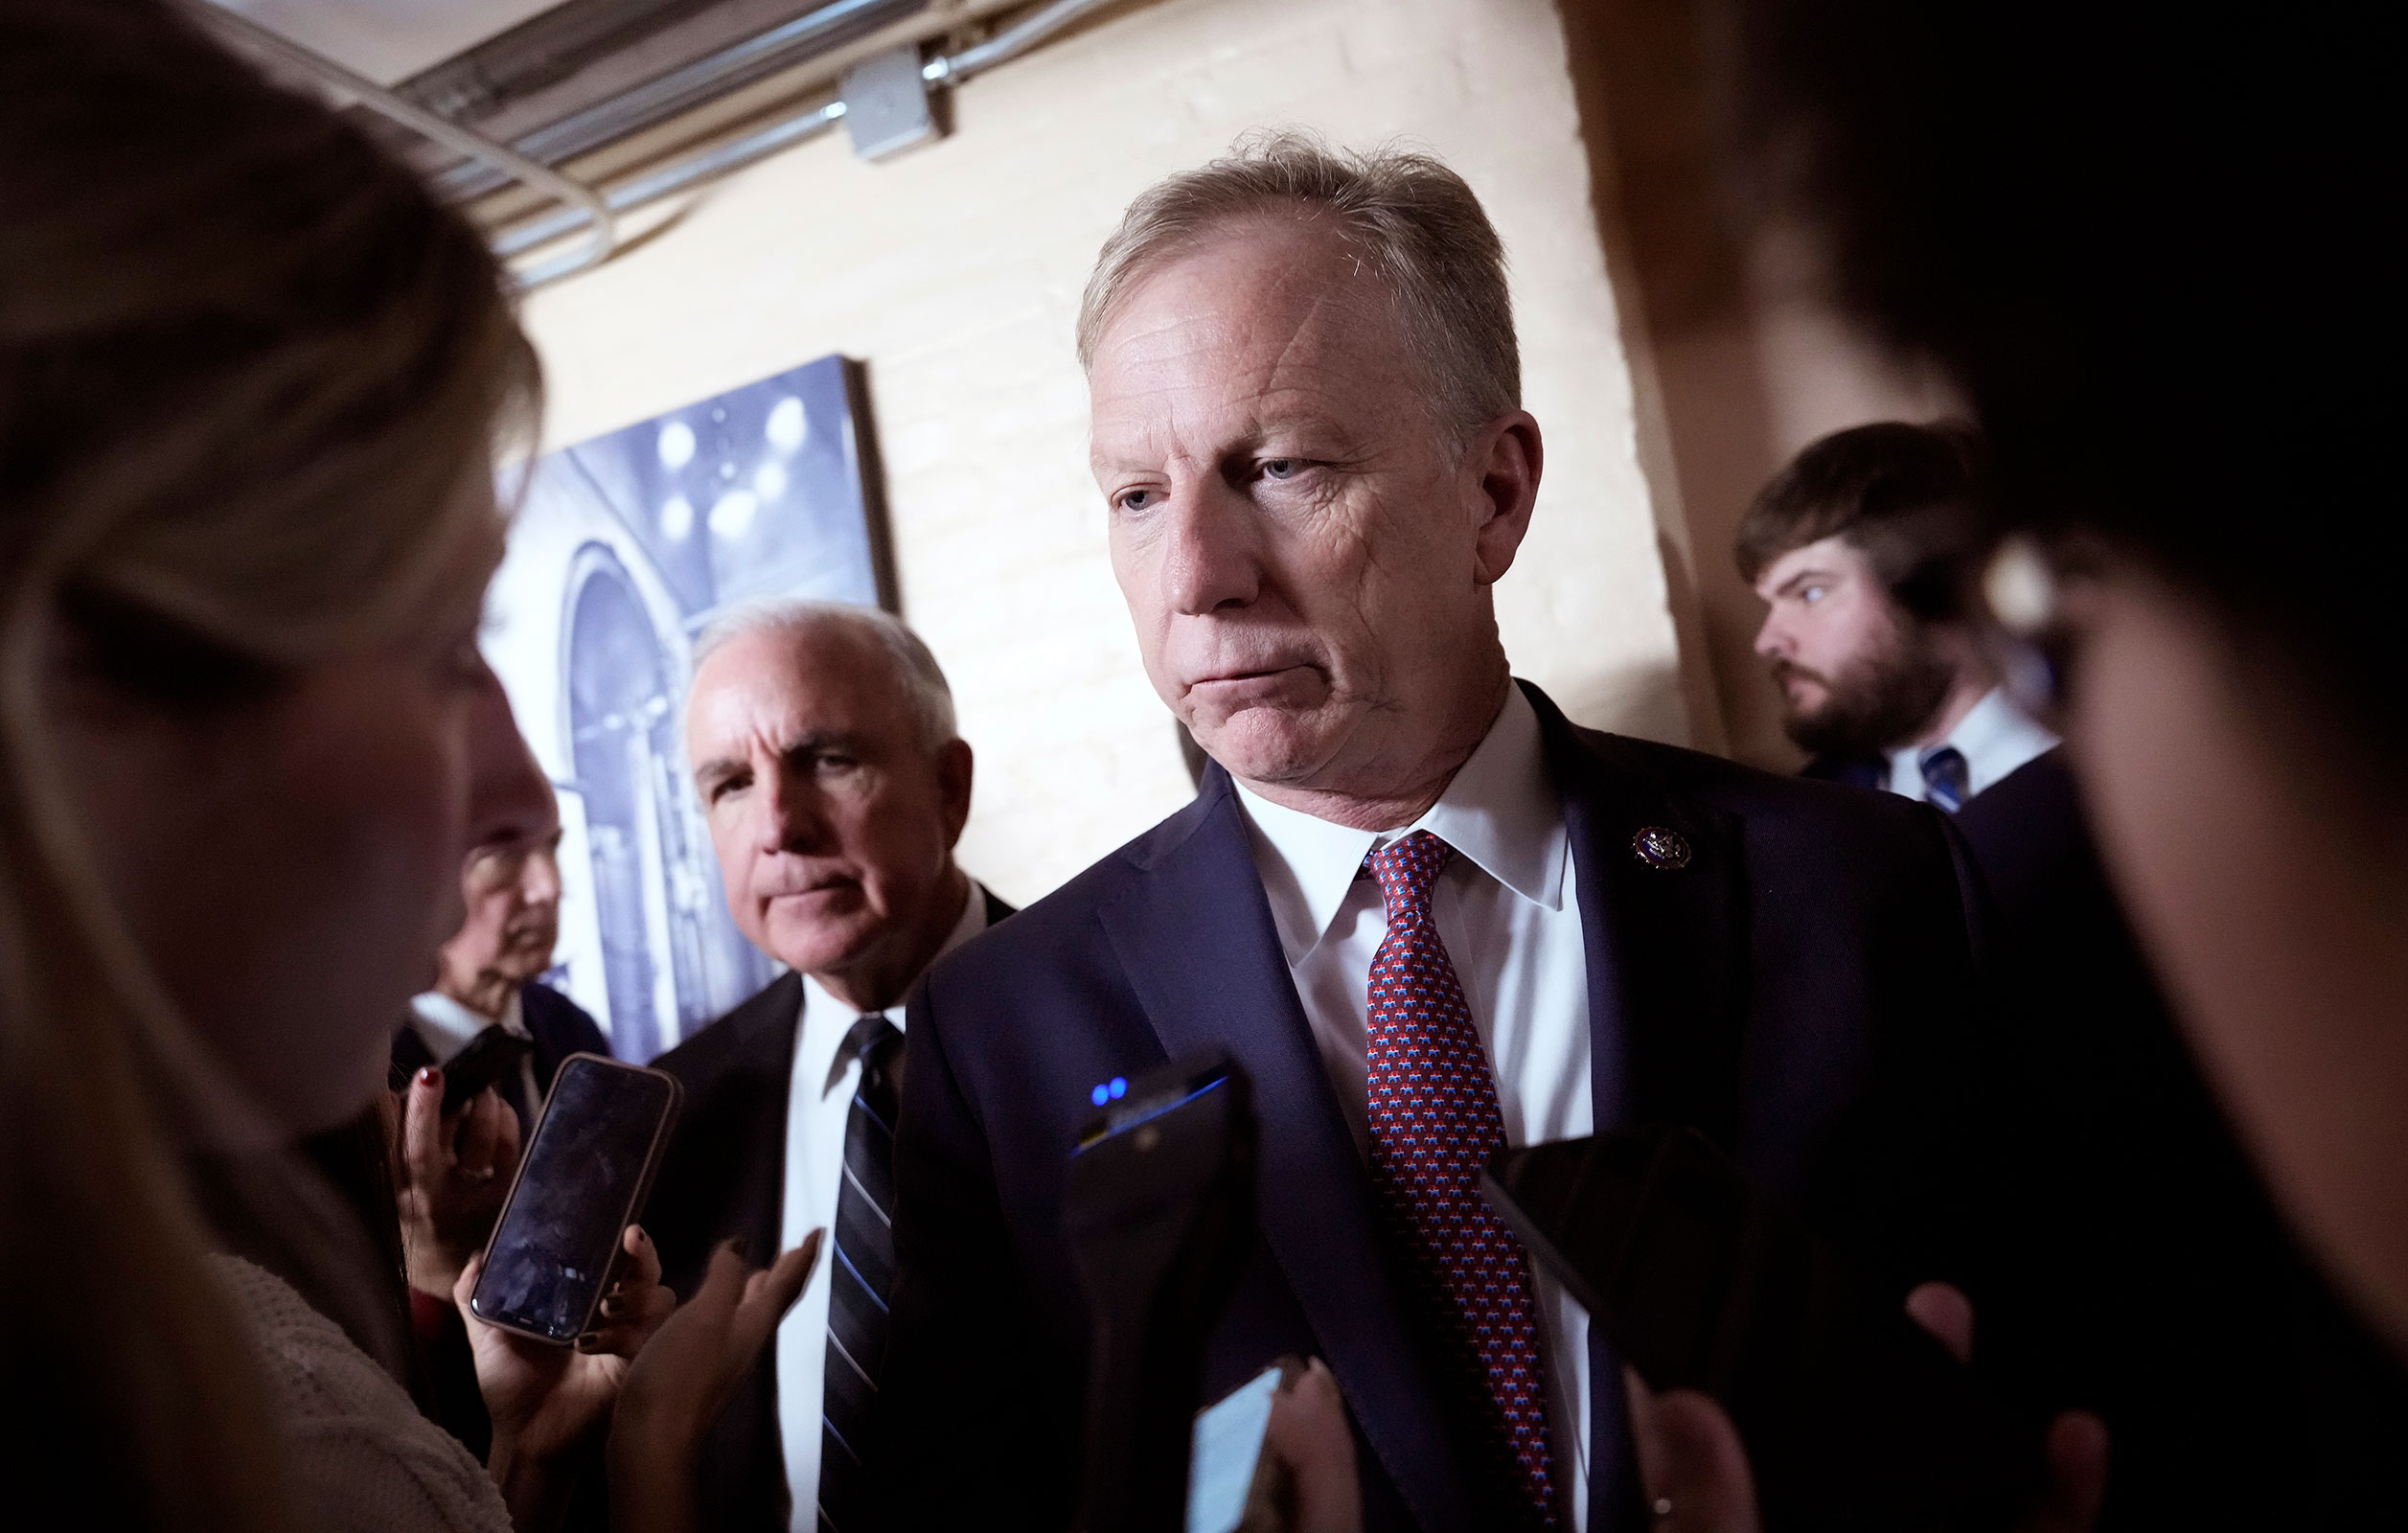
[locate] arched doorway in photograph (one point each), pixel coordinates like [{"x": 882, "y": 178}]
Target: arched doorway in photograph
[{"x": 650, "y": 881}]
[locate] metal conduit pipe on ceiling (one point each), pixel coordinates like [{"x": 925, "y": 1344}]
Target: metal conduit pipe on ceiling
[
  {"x": 685, "y": 88},
  {"x": 589, "y": 206},
  {"x": 710, "y": 164},
  {"x": 584, "y": 206}
]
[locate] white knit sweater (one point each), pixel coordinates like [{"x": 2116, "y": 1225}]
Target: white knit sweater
[{"x": 360, "y": 1456}]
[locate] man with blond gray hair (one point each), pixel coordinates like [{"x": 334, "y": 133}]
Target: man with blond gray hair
[
  {"x": 835, "y": 785},
  {"x": 1428, "y": 915}
]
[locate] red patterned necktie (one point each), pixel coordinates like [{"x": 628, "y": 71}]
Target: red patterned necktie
[{"x": 1434, "y": 1122}]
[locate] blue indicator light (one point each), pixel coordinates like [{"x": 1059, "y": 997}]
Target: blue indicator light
[
  {"x": 1100, "y": 1095},
  {"x": 1119, "y": 1087}
]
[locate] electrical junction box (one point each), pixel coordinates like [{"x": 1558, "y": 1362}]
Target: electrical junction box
[{"x": 886, "y": 104}]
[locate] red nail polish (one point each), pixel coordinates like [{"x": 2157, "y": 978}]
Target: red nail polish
[{"x": 430, "y": 1075}]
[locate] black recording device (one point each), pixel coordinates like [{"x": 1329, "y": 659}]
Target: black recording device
[
  {"x": 489, "y": 1058},
  {"x": 1853, "y": 1417},
  {"x": 579, "y": 1187},
  {"x": 1158, "y": 1209}
]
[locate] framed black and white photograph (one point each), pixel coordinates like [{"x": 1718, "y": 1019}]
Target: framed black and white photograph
[{"x": 624, "y": 549}]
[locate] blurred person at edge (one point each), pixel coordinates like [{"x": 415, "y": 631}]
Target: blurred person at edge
[
  {"x": 2120, "y": 1219},
  {"x": 490, "y": 973},
  {"x": 452, "y": 1172},
  {"x": 251, "y": 380},
  {"x": 2176, "y": 317}
]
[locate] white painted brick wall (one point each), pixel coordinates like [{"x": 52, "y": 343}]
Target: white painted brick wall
[{"x": 954, "y": 272}]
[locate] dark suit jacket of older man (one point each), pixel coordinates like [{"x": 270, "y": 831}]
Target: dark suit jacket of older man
[
  {"x": 1800, "y": 991},
  {"x": 725, "y": 1176},
  {"x": 558, "y": 1026}
]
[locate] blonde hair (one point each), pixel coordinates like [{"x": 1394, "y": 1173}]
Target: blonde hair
[
  {"x": 1413, "y": 221},
  {"x": 251, "y": 378}
]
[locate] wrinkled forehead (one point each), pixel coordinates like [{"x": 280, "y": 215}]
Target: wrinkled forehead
[
  {"x": 763, "y": 691},
  {"x": 505, "y": 863},
  {"x": 1265, "y": 319}
]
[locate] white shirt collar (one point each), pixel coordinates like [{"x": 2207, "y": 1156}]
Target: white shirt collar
[
  {"x": 827, "y": 1021},
  {"x": 446, "y": 1027},
  {"x": 1501, "y": 812},
  {"x": 1995, "y": 739}
]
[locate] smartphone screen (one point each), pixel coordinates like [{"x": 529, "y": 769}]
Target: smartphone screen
[
  {"x": 1228, "y": 1444},
  {"x": 577, "y": 1188}
]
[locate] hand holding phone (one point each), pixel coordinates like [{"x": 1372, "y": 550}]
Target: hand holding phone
[
  {"x": 492, "y": 1057},
  {"x": 580, "y": 1184},
  {"x": 449, "y": 1179}
]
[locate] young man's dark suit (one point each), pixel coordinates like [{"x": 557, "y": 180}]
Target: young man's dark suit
[
  {"x": 1797, "y": 991},
  {"x": 2135, "y": 1265},
  {"x": 725, "y": 1175}
]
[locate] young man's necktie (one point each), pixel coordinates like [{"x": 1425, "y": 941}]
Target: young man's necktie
[{"x": 1947, "y": 780}]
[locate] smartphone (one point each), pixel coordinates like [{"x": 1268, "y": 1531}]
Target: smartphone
[
  {"x": 490, "y": 1058},
  {"x": 1158, "y": 1212},
  {"x": 581, "y": 1182},
  {"x": 1226, "y": 1459},
  {"x": 1852, "y": 1415}
]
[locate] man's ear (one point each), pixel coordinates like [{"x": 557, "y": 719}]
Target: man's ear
[
  {"x": 954, "y": 770},
  {"x": 1504, "y": 461}
]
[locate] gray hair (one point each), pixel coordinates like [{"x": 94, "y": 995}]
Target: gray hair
[
  {"x": 1415, "y": 222},
  {"x": 923, "y": 685}
]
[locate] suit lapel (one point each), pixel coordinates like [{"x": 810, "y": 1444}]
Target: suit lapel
[
  {"x": 745, "y": 1177},
  {"x": 1667, "y": 975},
  {"x": 1665, "y": 992},
  {"x": 770, "y": 1027},
  {"x": 1196, "y": 939}
]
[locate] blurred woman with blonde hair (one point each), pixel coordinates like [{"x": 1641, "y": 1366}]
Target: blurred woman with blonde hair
[{"x": 253, "y": 381}]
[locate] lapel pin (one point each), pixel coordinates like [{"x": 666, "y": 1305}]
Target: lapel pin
[{"x": 1660, "y": 848}]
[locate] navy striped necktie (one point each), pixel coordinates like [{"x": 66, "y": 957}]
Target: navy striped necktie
[
  {"x": 1947, "y": 779},
  {"x": 860, "y": 1278}
]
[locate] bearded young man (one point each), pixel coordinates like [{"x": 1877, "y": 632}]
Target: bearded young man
[
  {"x": 2122, "y": 1220},
  {"x": 1858, "y": 548}
]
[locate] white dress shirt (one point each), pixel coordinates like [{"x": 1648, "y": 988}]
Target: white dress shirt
[
  {"x": 1995, "y": 739},
  {"x": 446, "y": 1027},
  {"x": 1507, "y": 910},
  {"x": 818, "y": 1101}
]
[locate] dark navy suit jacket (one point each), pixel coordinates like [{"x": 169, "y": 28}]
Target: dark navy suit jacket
[
  {"x": 558, "y": 1026},
  {"x": 725, "y": 1175},
  {"x": 1799, "y": 991},
  {"x": 2132, "y": 1264}
]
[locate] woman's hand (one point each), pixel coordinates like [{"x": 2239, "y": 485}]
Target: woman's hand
[
  {"x": 450, "y": 1176},
  {"x": 684, "y": 1379},
  {"x": 1696, "y": 1475},
  {"x": 546, "y": 1400}
]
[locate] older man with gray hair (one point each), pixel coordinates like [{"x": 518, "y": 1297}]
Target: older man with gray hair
[
  {"x": 1428, "y": 915},
  {"x": 824, "y": 748}
]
